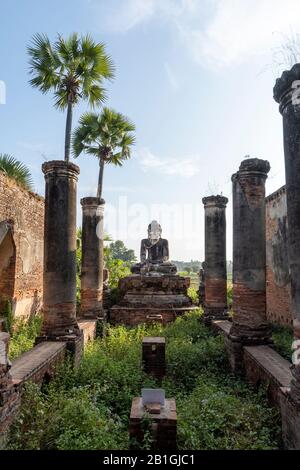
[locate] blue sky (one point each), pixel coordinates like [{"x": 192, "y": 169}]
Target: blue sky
[{"x": 196, "y": 77}]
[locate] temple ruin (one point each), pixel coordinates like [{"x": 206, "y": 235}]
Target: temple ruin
[{"x": 38, "y": 272}]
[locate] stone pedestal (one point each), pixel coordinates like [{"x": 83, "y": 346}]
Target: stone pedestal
[
  {"x": 161, "y": 420},
  {"x": 151, "y": 298},
  {"x": 286, "y": 93},
  {"x": 9, "y": 395},
  {"x": 250, "y": 325},
  {"x": 59, "y": 292},
  {"x": 154, "y": 356},
  {"x": 215, "y": 306},
  {"x": 91, "y": 306}
]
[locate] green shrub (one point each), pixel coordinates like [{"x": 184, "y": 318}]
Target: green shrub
[
  {"x": 213, "y": 417},
  {"x": 193, "y": 295},
  {"x": 229, "y": 293},
  {"x": 9, "y": 317},
  {"x": 283, "y": 338},
  {"x": 23, "y": 336},
  {"x": 88, "y": 407}
]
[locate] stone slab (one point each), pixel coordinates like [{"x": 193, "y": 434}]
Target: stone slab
[
  {"x": 263, "y": 365},
  {"x": 222, "y": 326},
  {"x": 39, "y": 358}
]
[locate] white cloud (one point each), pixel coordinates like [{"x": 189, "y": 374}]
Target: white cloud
[
  {"x": 132, "y": 13},
  {"x": 216, "y": 32},
  {"x": 186, "y": 167},
  {"x": 240, "y": 29}
]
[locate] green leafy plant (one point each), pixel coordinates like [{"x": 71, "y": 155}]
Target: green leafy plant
[
  {"x": 9, "y": 317},
  {"x": 88, "y": 407},
  {"x": 108, "y": 136},
  {"x": 193, "y": 295},
  {"x": 23, "y": 336},
  {"x": 74, "y": 69},
  {"x": 283, "y": 338},
  {"x": 16, "y": 170}
]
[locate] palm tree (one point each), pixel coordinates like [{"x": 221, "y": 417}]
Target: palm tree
[
  {"x": 74, "y": 68},
  {"x": 16, "y": 170},
  {"x": 108, "y": 136}
]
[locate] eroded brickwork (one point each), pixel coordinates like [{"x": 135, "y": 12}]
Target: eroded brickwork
[
  {"x": 146, "y": 299},
  {"x": 162, "y": 424},
  {"x": 21, "y": 250},
  {"x": 154, "y": 356},
  {"x": 278, "y": 277}
]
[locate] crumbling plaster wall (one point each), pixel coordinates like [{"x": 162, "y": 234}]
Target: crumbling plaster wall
[{"x": 278, "y": 277}]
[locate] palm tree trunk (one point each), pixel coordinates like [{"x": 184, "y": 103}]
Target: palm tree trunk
[
  {"x": 68, "y": 131},
  {"x": 100, "y": 179}
]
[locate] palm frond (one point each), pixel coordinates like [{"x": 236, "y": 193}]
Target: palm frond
[
  {"x": 108, "y": 135},
  {"x": 73, "y": 67},
  {"x": 16, "y": 170}
]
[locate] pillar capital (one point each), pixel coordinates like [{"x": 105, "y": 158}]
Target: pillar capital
[
  {"x": 285, "y": 86},
  {"x": 92, "y": 201},
  {"x": 92, "y": 205},
  {"x": 60, "y": 168},
  {"x": 252, "y": 167},
  {"x": 215, "y": 201}
]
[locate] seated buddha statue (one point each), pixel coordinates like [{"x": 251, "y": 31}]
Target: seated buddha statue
[{"x": 154, "y": 253}]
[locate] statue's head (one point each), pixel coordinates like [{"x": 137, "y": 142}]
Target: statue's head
[{"x": 154, "y": 231}]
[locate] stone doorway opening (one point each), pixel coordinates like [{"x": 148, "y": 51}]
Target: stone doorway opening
[{"x": 7, "y": 264}]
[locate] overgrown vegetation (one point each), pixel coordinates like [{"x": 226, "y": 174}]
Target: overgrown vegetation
[
  {"x": 89, "y": 408},
  {"x": 23, "y": 335},
  {"x": 283, "y": 338}
]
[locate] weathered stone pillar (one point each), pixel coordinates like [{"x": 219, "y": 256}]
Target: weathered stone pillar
[
  {"x": 250, "y": 325},
  {"x": 92, "y": 258},
  {"x": 286, "y": 93},
  {"x": 9, "y": 394},
  {"x": 215, "y": 307},
  {"x": 59, "y": 302}
]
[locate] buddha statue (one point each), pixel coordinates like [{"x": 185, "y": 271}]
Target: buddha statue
[{"x": 154, "y": 253}]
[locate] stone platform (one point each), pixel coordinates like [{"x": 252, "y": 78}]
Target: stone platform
[{"x": 151, "y": 298}]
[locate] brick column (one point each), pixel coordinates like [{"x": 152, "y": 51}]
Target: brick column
[
  {"x": 59, "y": 301},
  {"x": 9, "y": 395},
  {"x": 215, "y": 306},
  {"x": 286, "y": 93},
  {"x": 92, "y": 258},
  {"x": 250, "y": 325}
]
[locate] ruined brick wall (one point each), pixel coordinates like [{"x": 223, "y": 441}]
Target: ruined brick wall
[
  {"x": 278, "y": 278},
  {"x": 21, "y": 251}
]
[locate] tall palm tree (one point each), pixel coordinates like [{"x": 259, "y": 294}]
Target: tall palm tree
[
  {"x": 108, "y": 136},
  {"x": 74, "y": 68},
  {"x": 16, "y": 170}
]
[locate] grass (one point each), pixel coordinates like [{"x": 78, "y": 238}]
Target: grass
[{"x": 89, "y": 408}]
